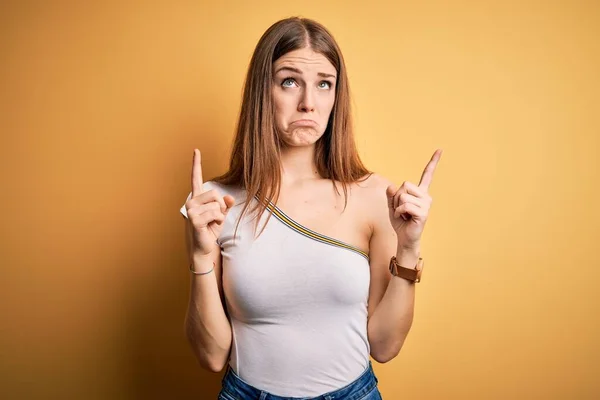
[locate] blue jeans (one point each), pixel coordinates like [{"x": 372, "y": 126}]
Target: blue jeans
[{"x": 362, "y": 388}]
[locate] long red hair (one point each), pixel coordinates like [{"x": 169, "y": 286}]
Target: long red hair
[{"x": 255, "y": 157}]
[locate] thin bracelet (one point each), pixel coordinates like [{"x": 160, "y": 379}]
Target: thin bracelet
[{"x": 202, "y": 273}]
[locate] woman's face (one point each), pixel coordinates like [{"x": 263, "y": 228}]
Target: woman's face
[{"x": 304, "y": 93}]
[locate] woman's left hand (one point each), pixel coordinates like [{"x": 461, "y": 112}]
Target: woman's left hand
[{"x": 409, "y": 206}]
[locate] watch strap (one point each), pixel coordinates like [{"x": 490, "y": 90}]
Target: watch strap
[{"x": 411, "y": 274}]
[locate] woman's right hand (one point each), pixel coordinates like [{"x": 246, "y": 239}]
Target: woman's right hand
[{"x": 206, "y": 211}]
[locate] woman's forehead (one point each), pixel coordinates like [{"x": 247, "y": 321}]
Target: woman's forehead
[{"x": 304, "y": 60}]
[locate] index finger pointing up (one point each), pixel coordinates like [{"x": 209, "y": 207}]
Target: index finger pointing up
[
  {"x": 196, "y": 174},
  {"x": 429, "y": 170}
]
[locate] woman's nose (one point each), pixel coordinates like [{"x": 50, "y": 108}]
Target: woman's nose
[{"x": 307, "y": 102}]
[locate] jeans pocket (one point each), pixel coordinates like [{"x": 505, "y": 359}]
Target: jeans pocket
[
  {"x": 372, "y": 394},
  {"x": 223, "y": 395}
]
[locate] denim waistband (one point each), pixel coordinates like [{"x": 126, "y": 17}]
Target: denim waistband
[{"x": 234, "y": 388}]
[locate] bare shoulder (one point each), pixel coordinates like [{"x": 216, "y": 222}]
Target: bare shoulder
[
  {"x": 371, "y": 197},
  {"x": 373, "y": 187}
]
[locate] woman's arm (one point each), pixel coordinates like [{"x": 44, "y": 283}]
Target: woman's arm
[
  {"x": 391, "y": 299},
  {"x": 207, "y": 326}
]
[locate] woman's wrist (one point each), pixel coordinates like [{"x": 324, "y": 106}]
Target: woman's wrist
[
  {"x": 193, "y": 271},
  {"x": 202, "y": 264},
  {"x": 407, "y": 257}
]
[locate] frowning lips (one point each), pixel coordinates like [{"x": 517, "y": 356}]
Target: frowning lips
[{"x": 304, "y": 122}]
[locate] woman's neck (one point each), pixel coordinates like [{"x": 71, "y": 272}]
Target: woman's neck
[{"x": 298, "y": 165}]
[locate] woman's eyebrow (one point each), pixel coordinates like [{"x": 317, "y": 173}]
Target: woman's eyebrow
[
  {"x": 324, "y": 75},
  {"x": 292, "y": 69},
  {"x": 296, "y": 70}
]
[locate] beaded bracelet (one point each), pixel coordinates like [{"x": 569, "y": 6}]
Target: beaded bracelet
[{"x": 202, "y": 273}]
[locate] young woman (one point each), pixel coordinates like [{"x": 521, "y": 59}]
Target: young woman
[{"x": 291, "y": 249}]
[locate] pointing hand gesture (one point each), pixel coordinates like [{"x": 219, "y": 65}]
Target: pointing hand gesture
[
  {"x": 206, "y": 211},
  {"x": 409, "y": 206}
]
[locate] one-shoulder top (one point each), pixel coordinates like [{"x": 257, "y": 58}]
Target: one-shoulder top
[{"x": 297, "y": 303}]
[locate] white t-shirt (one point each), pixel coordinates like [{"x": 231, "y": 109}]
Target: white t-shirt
[{"x": 297, "y": 302}]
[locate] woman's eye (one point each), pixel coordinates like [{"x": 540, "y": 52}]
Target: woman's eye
[
  {"x": 291, "y": 82},
  {"x": 287, "y": 82}
]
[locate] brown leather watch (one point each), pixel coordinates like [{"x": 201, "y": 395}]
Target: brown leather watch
[{"x": 411, "y": 274}]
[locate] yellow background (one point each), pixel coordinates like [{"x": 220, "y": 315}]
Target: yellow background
[{"x": 102, "y": 104}]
